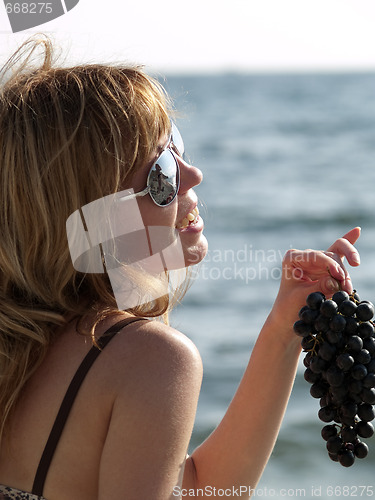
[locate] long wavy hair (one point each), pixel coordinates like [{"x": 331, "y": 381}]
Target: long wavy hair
[{"x": 68, "y": 136}]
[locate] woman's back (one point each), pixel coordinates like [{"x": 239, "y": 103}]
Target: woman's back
[
  {"x": 75, "y": 468},
  {"x": 79, "y": 450}
]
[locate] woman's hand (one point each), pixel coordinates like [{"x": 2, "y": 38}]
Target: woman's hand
[{"x": 306, "y": 271}]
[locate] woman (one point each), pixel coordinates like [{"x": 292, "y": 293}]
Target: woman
[{"x": 86, "y": 151}]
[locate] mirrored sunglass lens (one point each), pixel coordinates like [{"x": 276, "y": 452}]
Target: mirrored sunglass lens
[
  {"x": 177, "y": 140},
  {"x": 163, "y": 179}
]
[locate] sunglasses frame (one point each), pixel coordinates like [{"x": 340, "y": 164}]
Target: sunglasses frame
[{"x": 170, "y": 149}]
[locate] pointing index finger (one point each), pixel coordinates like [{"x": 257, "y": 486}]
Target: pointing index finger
[{"x": 343, "y": 247}]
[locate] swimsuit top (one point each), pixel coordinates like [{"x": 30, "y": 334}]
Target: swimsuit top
[{"x": 7, "y": 493}]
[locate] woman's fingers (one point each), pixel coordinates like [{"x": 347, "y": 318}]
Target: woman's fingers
[
  {"x": 321, "y": 268},
  {"x": 324, "y": 270},
  {"x": 310, "y": 264},
  {"x": 343, "y": 247},
  {"x": 353, "y": 235}
]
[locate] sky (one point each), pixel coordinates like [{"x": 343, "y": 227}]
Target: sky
[{"x": 212, "y": 35}]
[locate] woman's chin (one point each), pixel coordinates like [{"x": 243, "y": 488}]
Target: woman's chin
[{"x": 196, "y": 253}]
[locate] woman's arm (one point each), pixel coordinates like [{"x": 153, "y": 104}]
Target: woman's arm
[{"x": 236, "y": 453}]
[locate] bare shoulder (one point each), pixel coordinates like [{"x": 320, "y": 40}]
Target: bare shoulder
[{"x": 149, "y": 350}]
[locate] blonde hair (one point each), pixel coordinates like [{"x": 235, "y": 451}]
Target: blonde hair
[{"x": 68, "y": 136}]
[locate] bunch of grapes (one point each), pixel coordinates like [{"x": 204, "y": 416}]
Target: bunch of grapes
[{"x": 338, "y": 337}]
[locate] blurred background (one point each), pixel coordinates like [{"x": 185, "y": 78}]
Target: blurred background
[{"x": 277, "y": 107}]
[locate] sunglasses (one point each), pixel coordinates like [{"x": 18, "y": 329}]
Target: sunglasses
[{"x": 163, "y": 180}]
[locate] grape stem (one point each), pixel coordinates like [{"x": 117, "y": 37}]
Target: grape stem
[{"x": 316, "y": 341}]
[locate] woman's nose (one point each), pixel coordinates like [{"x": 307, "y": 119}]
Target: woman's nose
[{"x": 190, "y": 176}]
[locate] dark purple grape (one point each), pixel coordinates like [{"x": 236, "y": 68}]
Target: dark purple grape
[
  {"x": 328, "y": 308},
  {"x": 326, "y": 414},
  {"x": 349, "y": 421},
  {"x": 308, "y": 343},
  {"x": 337, "y": 323},
  {"x": 366, "y": 412},
  {"x": 325, "y": 400},
  {"x": 347, "y": 308},
  {"x": 335, "y": 376},
  {"x": 322, "y": 323},
  {"x": 337, "y": 399},
  {"x": 301, "y": 328},
  {"x": 351, "y": 326},
  {"x": 364, "y": 429},
  {"x": 318, "y": 365},
  {"x": 340, "y": 391},
  {"x": 358, "y": 372},
  {"x": 310, "y": 376},
  {"x": 318, "y": 390},
  {"x": 349, "y": 410},
  {"x": 340, "y": 297},
  {"x": 369, "y": 344},
  {"x": 346, "y": 458},
  {"x": 355, "y": 386},
  {"x": 365, "y": 330},
  {"x": 355, "y": 296},
  {"x": 334, "y": 444},
  {"x": 348, "y": 434},
  {"x": 368, "y": 395},
  {"x": 304, "y": 308},
  {"x": 371, "y": 366},
  {"x": 345, "y": 361},
  {"x": 365, "y": 311},
  {"x": 354, "y": 344},
  {"x": 356, "y": 398},
  {"x": 333, "y": 337},
  {"x": 307, "y": 359},
  {"x": 361, "y": 450},
  {"x": 363, "y": 357},
  {"x": 327, "y": 351},
  {"x": 328, "y": 431},
  {"x": 309, "y": 316},
  {"x": 314, "y": 300},
  {"x": 333, "y": 456},
  {"x": 369, "y": 381}
]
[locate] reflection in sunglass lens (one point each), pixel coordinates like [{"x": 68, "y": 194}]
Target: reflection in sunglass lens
[{"x": 163, "y": 179}]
